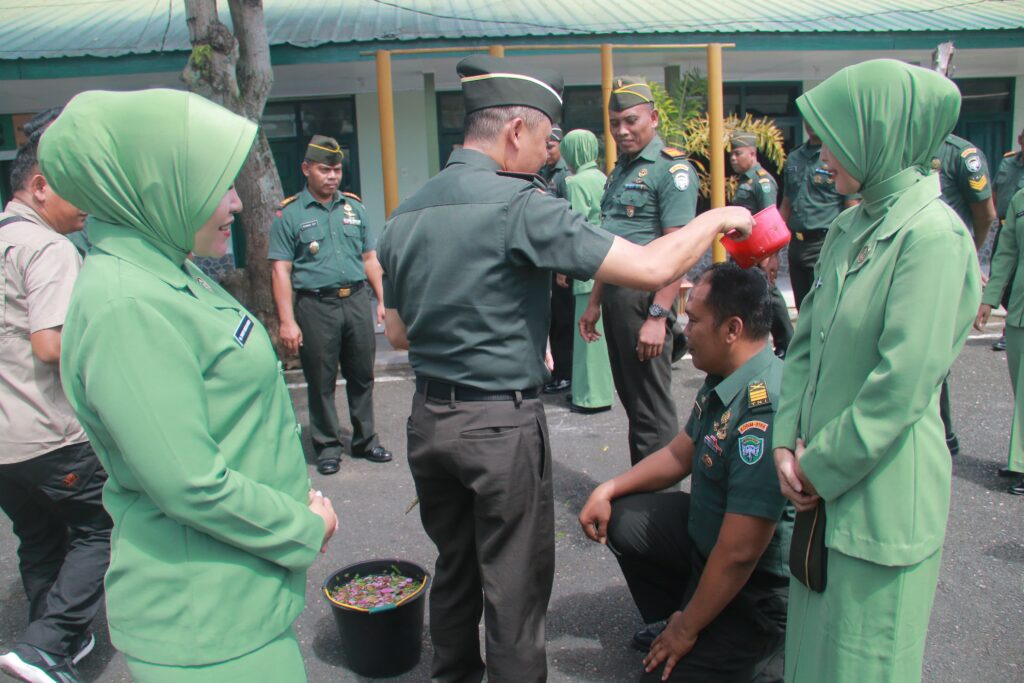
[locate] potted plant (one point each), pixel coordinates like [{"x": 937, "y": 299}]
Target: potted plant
[{"x": 378, "y": 608}]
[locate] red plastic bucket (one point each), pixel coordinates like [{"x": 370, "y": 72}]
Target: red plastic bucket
[{"x": 768, "y": 236}]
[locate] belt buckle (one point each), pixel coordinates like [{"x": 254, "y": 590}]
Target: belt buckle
[{"x": 344, "y": 292}]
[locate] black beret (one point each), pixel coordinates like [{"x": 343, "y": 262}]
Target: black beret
[{"x": 497, "y": 82}]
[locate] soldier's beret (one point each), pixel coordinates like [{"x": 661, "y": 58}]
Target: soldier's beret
[
  {"x": 324, "y": 150},
  {"x": 556, "y": 134},
  {"x": 629, "y": 91},
  {"x": 741, "y": 138},
  {"x": 497, "y": 82}
]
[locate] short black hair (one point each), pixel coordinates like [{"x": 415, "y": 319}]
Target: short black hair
[
  {"x": 485, "y": 124},
  {"x": 24, "y": 166},
  {"x": 744, "y": 294}
]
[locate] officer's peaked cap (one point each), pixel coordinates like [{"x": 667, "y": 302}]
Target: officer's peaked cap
[{"x": 497, "y": 82}]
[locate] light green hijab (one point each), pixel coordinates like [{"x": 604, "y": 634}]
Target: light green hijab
[
  {"x": 155, "y": 162},
  {"x": 579, "y": 149},
  {"x": 882, "y": 118}
]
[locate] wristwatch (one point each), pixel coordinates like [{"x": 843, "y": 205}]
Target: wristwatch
[{"x": 656, "y": 311}]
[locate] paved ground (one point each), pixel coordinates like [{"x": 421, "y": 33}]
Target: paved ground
[{"x": 977, "y": 626}]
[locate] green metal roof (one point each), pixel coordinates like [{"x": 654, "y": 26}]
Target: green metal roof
[{"x": 46, "y": 29}]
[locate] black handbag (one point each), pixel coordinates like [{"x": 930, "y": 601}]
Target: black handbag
[{"x": 808, "y": 556}]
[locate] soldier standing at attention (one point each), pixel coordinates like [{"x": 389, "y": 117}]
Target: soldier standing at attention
[
  {"x": 323, "y": 250},
  {"x": 758, "y": 190},
  {"x": 468, "y": 261},
  {"x": 652, "y": 191},
  {"x": 809, "y": 205},
  {"x": 963, "y": 174}
]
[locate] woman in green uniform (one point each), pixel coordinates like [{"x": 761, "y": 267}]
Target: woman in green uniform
[
  {"x": 896, "y": 289},
  {"x": 178, "y": 388},
  {"x": 1005, "y": 264},
  {"x": 592, "y": 389}
]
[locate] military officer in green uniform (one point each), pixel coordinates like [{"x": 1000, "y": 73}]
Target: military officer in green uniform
[
  {"x": 809, "y": 205},
  {"x": 468, "y": 260},
  {"x": 1009, "y": 178},
  {"x": 652, "y": 191},
  {"x": 713, "y": 561},
  {"x": 963, "y": 174},
  {"x": 757, "y": 190},
  {"x": 554, "y": 171},
  {"x": 323, "y": 254}
]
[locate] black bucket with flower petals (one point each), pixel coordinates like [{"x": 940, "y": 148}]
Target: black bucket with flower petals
[{"x": 378, "y": 607}]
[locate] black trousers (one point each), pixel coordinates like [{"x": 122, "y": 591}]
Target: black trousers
[
  {"x": 54, "y": 503},
  {"x": 645, "y": 388},
  {"x": 782, "y": 326},
  {"x": 561, "y": 330},
  {"x": 338, "y": 332},
  {"x": 745, "y": 643},
  {"x": 483, "y": 476}
]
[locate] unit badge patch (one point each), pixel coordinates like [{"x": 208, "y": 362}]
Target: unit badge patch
[
  {"x": 751, "y": 449},
  {"x": 753, "y": 424},
  {"x": 682, "y": 180},
  {"x": 973, "y": 163}
]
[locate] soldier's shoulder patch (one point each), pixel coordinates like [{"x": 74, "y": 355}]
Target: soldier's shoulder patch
[
  {"x": 752, "y": 424},
  {"x": 677, "y": 167},
  {"x": 672, "y": 153},
  {"x": 287, "y": 200},
  {"x": 757, "y": 394},
  {"x": 1009, "y": 154},
  {"x": 353, "y": 195},
  {"x": 967, "y": 151},
  {"x": 978, "y": 184}
]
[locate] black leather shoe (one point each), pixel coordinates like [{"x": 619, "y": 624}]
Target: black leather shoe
[
  {"x": 1018, "y": 488},
  {"x": 328, "y": 465},
  {"x": 953, "y": 444},
  {"x": 644, "y": 638},
  {"x": 375, "y": 454},
  {"x": 583, "y": 410},
  {"x": 1006, "y": 473},
  {"x": 1000, "y": 344},
  {"x": 558, "y": 386}
]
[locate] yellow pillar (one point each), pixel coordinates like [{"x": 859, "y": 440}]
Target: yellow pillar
[
  {"x": 610, "y": 153},
  {"x": 497, "y": 50},
  {"x": 386, "y": 106},
  {"x": 716, "y": 135}
]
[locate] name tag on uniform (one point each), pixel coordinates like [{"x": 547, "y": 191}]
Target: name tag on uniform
[
  {"x": 351, "y": 221},
  {"x": 307, "y": 225},
  {"x": 243, "y": 331}
]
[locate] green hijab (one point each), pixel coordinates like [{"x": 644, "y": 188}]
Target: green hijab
[
  {"x": 880, "y": 118},
  {"x": 579, "y": 149},
  {"x": 155, "y": 162}
]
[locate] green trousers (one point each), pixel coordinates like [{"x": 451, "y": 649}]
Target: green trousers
[
  {"x": 280, "y": 661},
  {"x": 869, "y": 624},
  {"x": 644, "y": 388},
  {"x": 591, "y": 373},
  {"x": 1014, "y": 351},
  {"x": 338, "y": 332}
]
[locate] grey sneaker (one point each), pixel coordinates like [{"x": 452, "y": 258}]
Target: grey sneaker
[
  {"x": 27, "y": 663},
  {"x": 644, "y": 638}
]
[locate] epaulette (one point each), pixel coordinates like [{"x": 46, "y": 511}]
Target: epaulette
[
  {"x": 757, "y": 394},
  {"x": 531, "y": 178},
  {"x": 969, "y": 151},
  {"x": 353, "y": 195},
  {"x": 672, "y": 153},
  {"x": 287, "y": 200},
  {"x": 761, "y": 171},
  {"x": 1009, "y": 154}
]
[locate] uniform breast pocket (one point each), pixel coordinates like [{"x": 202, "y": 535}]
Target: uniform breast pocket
[
  {"x": 311, "y": 239},
  {"x": 712, "y": 460},
  {"x": 633, "y": 201},
  {"x": 352, "y": 230}
]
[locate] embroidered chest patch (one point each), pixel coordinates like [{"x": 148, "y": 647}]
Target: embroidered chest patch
[{"x": 242, "y": 332}]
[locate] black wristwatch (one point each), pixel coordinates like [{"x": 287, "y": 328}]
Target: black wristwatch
[{"x": 656, "y": 311}]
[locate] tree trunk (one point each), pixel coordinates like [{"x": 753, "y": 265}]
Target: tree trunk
[{"x": 233, "y": 70}]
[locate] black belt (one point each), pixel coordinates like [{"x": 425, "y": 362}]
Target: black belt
[
  {"x": 811, "y": 235},
  {"x": 339, "y": 292},
  {"x": 446, "y": 391}
]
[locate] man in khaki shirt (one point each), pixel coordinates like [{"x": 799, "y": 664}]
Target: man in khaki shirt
[{"x": 50, "y": 478}]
